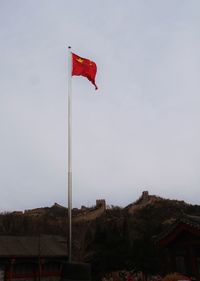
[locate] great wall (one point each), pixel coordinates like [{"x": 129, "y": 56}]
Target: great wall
[{"x": 92, "y": 213}]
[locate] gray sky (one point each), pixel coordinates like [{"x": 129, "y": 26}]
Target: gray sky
[{"x": 139, "y": 131}]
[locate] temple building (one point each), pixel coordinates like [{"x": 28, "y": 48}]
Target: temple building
[
  {"x": 32, "y": 258},
  {"x": 182, "y": 239}
]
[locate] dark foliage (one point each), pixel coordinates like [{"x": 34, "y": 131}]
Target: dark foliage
[{"x": 117, "y": 240}]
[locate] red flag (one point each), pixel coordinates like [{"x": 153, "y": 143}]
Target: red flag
[{"x": 84, "y": 67}]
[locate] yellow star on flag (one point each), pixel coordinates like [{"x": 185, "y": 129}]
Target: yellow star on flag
[{"x": 80, "y": 60}]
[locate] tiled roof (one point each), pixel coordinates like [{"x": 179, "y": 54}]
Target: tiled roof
[
  {"x": 192, "y": 221},
  {"x": 32, "y": 246}
]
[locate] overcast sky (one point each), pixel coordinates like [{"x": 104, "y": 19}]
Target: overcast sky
[{"x": 139, "y": 131}]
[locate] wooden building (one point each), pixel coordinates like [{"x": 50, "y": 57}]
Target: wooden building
[
  {"x": 32, "y": 258},
  {"x": 182, "y": 239}
]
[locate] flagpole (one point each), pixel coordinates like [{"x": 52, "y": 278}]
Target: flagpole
[{"x": 69, "y": 154}]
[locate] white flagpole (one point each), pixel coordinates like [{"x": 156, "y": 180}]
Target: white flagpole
[{"x": 69, "y": 154}]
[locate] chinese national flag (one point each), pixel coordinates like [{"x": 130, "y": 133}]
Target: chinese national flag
[{"x": 84, "y": 67}]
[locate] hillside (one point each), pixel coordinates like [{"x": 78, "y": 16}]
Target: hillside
[{"x": 109, "y": 238}]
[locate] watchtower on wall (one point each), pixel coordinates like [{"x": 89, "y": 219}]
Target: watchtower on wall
[
  {"x": 101, "y": 203},
  {"x": 145, "y": 196}
]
